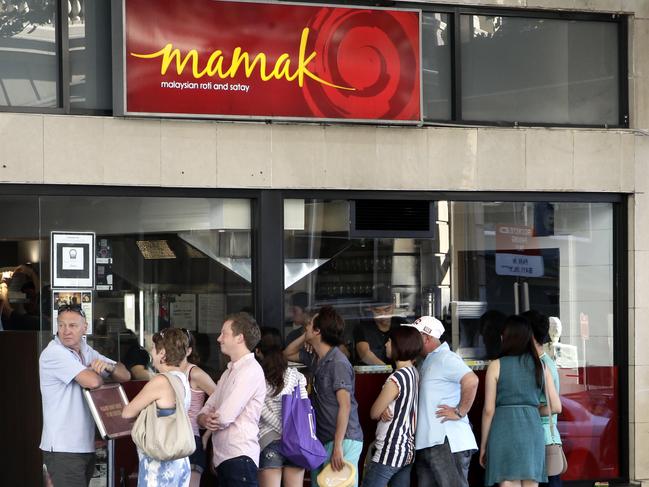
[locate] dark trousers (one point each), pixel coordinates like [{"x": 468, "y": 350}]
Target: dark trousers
[
  {"x": 436, "y": 467},
  {"x": 553, "y": 481},
  {"x": 69, "y": 469},
  {"x": 462, "y": 462},
  {"x": 237, "y": 472}
]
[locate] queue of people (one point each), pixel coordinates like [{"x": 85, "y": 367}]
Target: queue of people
[{"x": 421, "y": 411}]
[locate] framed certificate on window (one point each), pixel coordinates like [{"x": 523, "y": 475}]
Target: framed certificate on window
[
  {"x": 73, "y": 259},
  {"x": 106, "y": 404}
]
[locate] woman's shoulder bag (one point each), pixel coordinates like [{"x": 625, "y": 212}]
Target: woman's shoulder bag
[
  {"x": 555, "y": 459},
  {"x": 165, "y": 438}
]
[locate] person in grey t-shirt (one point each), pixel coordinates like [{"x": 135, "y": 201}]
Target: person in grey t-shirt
[{"x": 337, "y": 424}]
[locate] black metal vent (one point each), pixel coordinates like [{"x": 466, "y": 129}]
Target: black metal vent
[{"x": 391, "y": 218}]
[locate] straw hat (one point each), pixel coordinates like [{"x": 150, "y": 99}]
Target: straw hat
[{"x": 328, "y": 477}]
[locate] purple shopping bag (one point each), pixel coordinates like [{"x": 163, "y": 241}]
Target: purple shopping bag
[{"x": 299, "y": 443}]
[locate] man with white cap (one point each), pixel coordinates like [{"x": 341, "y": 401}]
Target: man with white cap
[{"x": 444, "y": 440}]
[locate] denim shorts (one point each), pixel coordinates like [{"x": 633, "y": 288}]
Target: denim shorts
[{"x": 271, "y": 457}]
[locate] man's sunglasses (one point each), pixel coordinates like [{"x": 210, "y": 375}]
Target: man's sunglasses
[{"x": 74, "y": 308}]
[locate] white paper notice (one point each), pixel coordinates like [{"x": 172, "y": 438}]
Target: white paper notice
[
  {"x": 72, "y": 258},
  {"x": 211, "y": 311},
  {"x": 183, "y": 311}
]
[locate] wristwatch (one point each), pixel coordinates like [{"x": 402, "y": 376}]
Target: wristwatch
[
  {"x": 459, "y": 414},
  {"x": 109, "y": 370}
]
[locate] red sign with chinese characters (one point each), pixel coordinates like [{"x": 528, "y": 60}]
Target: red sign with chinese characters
[{"x": 205, "y": 58}]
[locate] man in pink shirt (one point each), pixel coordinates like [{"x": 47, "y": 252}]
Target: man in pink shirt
[{"x": 232, "y": 412}]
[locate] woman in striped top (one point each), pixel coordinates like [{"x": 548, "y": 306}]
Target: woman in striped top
[
  {"x": 396, "y": 410},
  {"x": 274, "y": 469}
]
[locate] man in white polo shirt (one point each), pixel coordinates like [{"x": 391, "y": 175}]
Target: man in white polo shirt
[
  {"x": 444, "y": 440},
  {"x": 66, "y": 365}
]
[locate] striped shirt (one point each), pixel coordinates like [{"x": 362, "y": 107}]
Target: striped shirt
[
  {"x": 198, "y": 401},
  {"x": 270, "y": 423},
  {"x": 395, "y": 439}
]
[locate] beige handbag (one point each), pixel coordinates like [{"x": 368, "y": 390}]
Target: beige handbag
[
  {"x": 555, "y": 460},
  {"x": 166, "y": 437}
]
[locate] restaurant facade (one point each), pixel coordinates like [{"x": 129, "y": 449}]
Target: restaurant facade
[{"x": 168, "y": 165}]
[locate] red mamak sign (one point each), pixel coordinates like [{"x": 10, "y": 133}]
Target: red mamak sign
[{"x": 204, "y": 58}]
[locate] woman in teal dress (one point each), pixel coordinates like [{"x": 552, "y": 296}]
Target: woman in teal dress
[{"x": 513, "y": 442}]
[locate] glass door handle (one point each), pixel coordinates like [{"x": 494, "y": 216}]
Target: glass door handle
[
  {"x": 526, "y": 297},
  {"x": 516, "y": 299}
]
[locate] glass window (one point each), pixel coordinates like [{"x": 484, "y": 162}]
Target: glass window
[
  {"x": 28, "y": 55},
  {"x": 159, "y": 262},
  {"x": 539, "y": 70},
  {"x": 182, "y": 262},
  {"x": 436, "y": 65},
  {"x": 555, "y": 258},
  {"x": 20, "y": 285},
  {"x": 379, "y": 280},
  {"x": 90, "y": 55},
  {"x": 484, "y": 262}
]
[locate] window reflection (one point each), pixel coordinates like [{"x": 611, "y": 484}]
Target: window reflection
[
  {"x": 373, "y": 281},
  {"x": 436, "y": 66},
  {"x": 484, "y": 261},
  {"x": 539, "y": 70},
  {"x": 28, "y": 54},
  {"x": 160, "y": 262},
  {"x": 90, "y": 55},
  {"x": 554, "y": 258},
  {"x": 21, "y": 289}
]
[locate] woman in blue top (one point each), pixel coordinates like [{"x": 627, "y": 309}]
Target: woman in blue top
[
  {"x": 541, "y": 330},
  {"x": 513, "y": 443}
]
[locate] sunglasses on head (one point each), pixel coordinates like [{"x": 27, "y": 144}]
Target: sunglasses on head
[
  {"x": 184, "y": 330},
  {"x": 75, "y": 308}
]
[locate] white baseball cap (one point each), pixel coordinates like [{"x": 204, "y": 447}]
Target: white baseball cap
[{"x": 429, "y": 325}]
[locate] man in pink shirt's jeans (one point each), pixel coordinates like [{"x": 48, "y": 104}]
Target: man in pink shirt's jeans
[{"x": 232, "y": 412}]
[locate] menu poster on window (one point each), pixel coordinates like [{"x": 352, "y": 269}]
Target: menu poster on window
[
  {"x": 183, "y": 311},
  {"x": 72, "y": 297},
  {"x": 73, "y": 259},
  {"x": 104, "y": 261},
  {"x": 211, "y": 312},
  {"x": 104, "y": 277}
]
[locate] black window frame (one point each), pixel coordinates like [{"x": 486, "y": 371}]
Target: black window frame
[
  {"x": 456, "y": 68},
  {"x": 454, "y": 12},
  {"x": 619, "y": 279},
  {"x": 267, "y": 233}
]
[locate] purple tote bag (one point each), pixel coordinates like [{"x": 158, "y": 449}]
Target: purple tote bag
[{"x": 299, "y": 443}]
